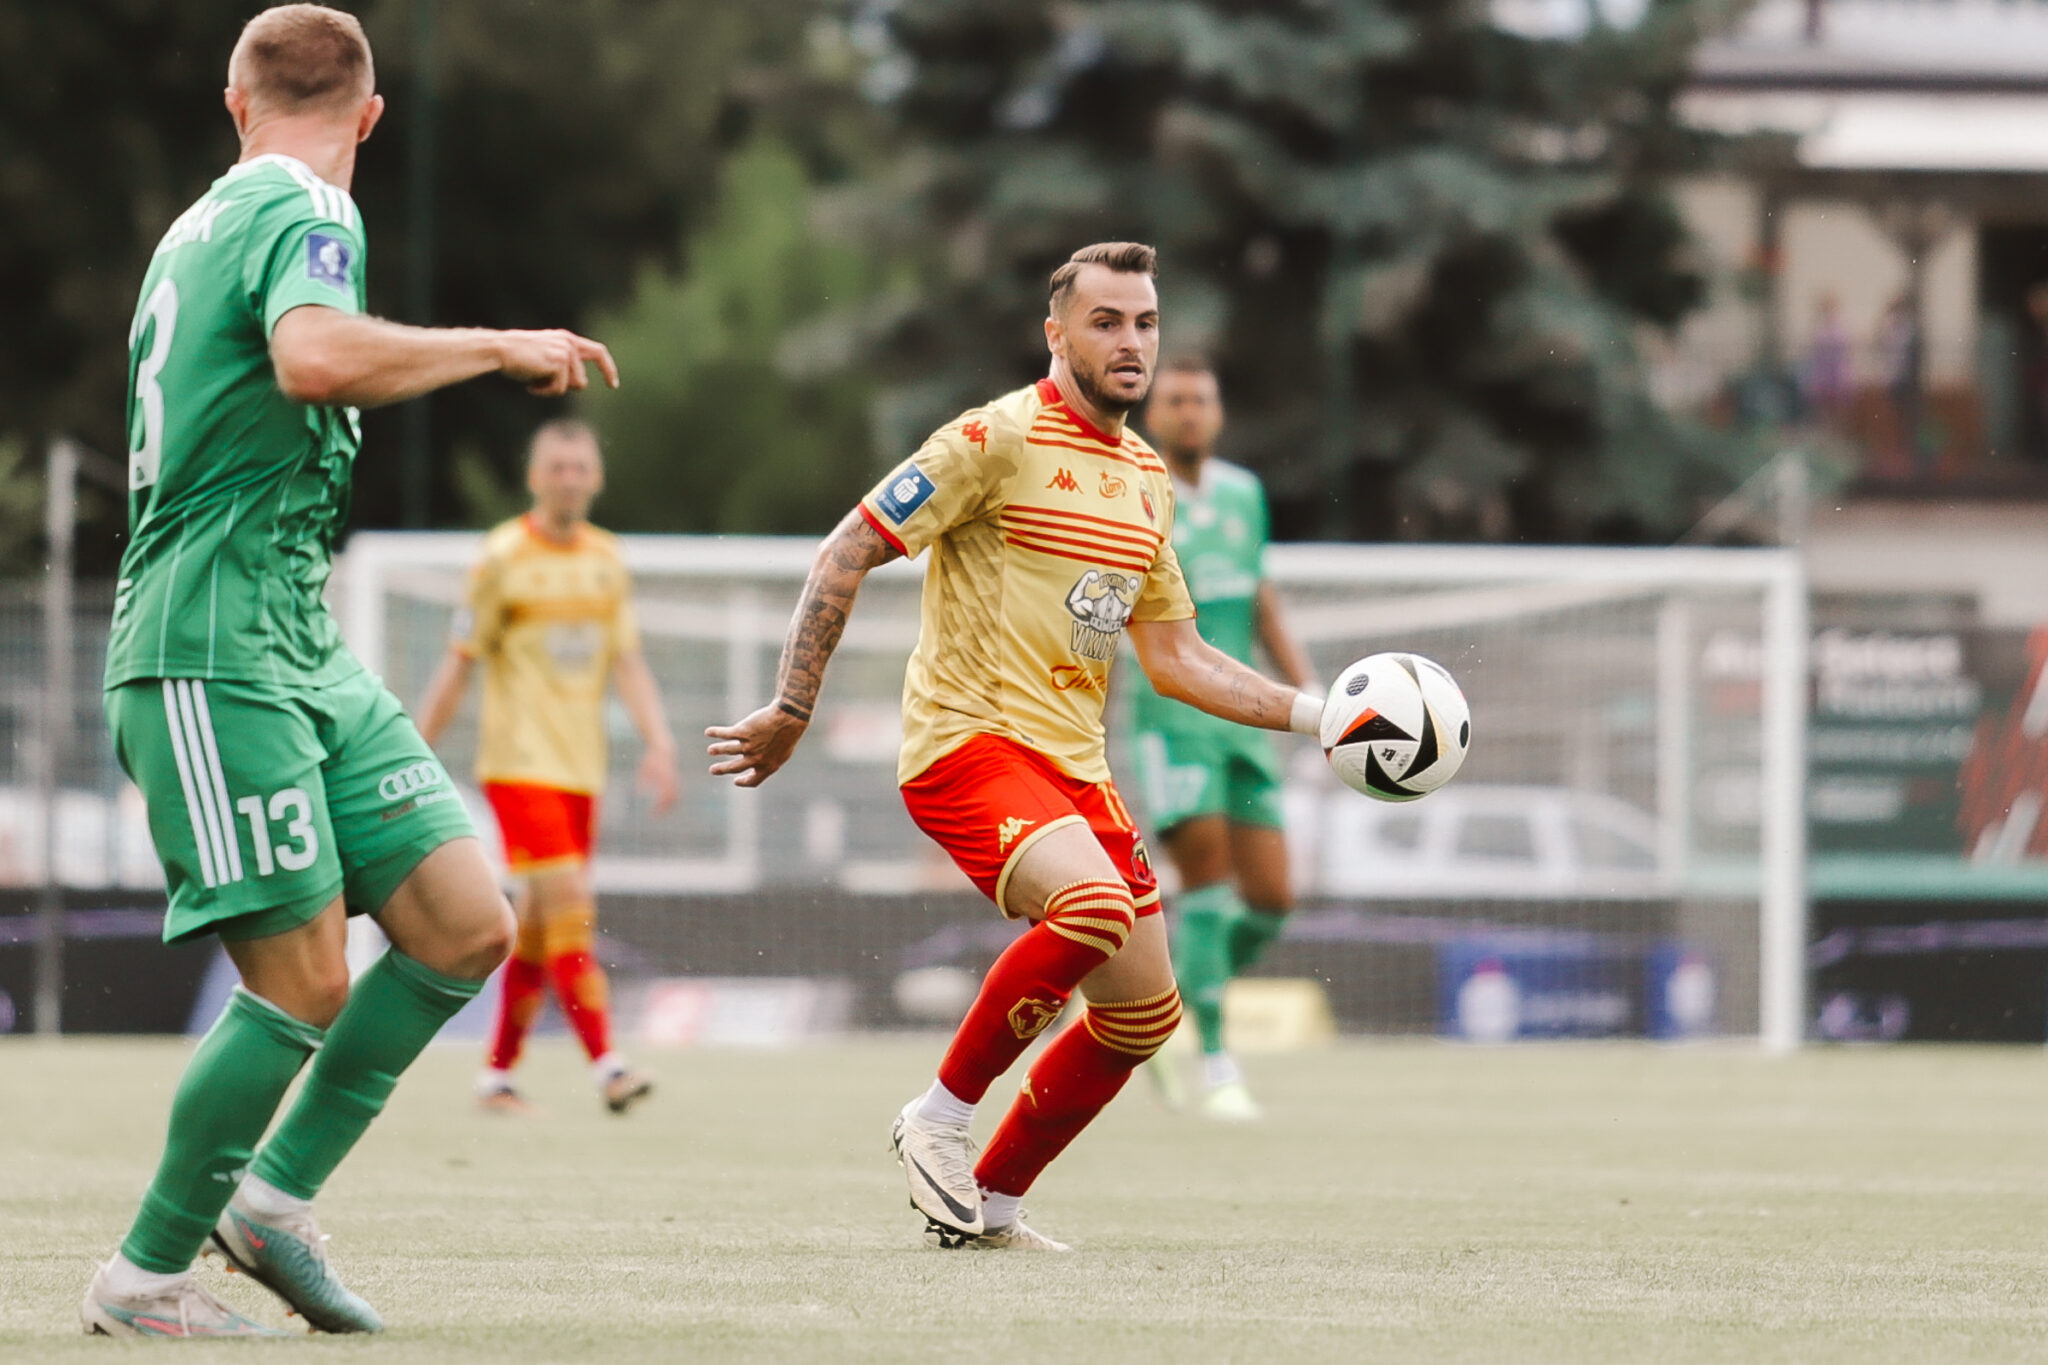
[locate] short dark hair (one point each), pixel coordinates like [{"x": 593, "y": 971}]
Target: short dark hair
[
  {"x": 297, "y": 57},
  {"x": 1126, "y": 258},
  {"x": 1187, "y": 362},
  {"x": 562, "y": 429}
]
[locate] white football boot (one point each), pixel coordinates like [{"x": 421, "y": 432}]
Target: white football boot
[
  {"x": 181, "y": 1309},
  {"x": 938, "y": 1161},
  {"x": 1018, "y": 1236}
]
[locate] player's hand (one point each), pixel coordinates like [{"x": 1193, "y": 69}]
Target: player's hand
[
  {"x": 551, "y": 363},
  {"x": 659, "y": 778},
  {"x": 752, "y": 749}
]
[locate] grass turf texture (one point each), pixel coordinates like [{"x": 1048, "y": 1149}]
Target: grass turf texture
[{"x": 1404, "y": 1202}]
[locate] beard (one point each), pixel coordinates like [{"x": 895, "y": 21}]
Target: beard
[{"x": 1095, "y": 388}]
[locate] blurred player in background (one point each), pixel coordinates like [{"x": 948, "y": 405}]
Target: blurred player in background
[
  {"x": 1212, "y": 788},
  {"x": 1048, "y": 525},
  {"x": 286, "y": 788},
  {"x": 551, "y": 615}
]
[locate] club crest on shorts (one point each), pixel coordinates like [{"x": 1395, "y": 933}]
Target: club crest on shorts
[
  {"x": 1101, "y": 604},
  {"x": 1030, "y": 1017}
]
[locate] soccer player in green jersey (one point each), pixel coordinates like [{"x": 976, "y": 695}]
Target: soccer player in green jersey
[
  {"x": 1211, "y": 788},
  {"x": 286, "y": 787}
]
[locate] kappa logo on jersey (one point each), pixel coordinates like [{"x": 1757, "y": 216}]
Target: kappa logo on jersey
[
  {"x": 1101, "y": 605},
  {"x": 328, "y": 260},
  {"x": 415, "y": 777},
  {"x": 976, "y": 432},
  {"x": 907, "y": 492},
  {"x": 1065, "y": 482},
  {"x": 1112, "y": 486},
  {"x": 1008, "y": 831}
]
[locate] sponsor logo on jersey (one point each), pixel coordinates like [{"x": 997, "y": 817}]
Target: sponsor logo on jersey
[
  {"x": 907, "y": 492},
  {"x": 1029, "y": 1017},
  {"x": 1064, "y": 481},
  {"x": 1111, "y": 486},
  {"x": 976, "y": 432},
  {"x": 1007, "y": 832},
  {"x": 1101, "y": 607},
  {"x": 328, "y": 260},
  {"x": 414, "y": 777},
  {"x": 1076, "y": 678}
]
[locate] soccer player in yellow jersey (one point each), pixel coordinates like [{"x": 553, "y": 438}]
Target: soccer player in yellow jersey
[
  {"x": 1050, "y": 530},
  {"x": 550, "y": 614}
]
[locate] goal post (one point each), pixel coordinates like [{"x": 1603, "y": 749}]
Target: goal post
[{"x": 1634, "y": 789}]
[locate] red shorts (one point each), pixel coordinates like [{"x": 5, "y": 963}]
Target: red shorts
[
  {"x": 543, "y": 827},
  {"x": 992, "y": 798}
]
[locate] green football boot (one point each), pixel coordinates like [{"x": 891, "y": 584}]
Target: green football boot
[{"x": 288, "y": 1256}]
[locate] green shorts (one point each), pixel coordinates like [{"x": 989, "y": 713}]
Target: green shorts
[
  {"x": 1205, "y": 766},
  {"x": 267, "y": 801}
]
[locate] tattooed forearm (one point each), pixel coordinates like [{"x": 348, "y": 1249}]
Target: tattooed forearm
[{"x": 843, "y": 561}]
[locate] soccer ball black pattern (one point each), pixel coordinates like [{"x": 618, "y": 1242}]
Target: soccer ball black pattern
[{"x": 1395, "y": 726}]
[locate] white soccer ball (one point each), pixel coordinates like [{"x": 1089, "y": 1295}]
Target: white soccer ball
[{"x": 1395, "y": 726}]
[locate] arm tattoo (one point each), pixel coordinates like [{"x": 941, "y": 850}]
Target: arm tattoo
[{"x": 843, "y": 561}]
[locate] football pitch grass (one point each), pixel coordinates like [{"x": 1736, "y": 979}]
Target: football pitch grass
[{"x": 1403, "y": 1202}]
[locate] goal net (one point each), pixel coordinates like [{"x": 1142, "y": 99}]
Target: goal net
[{"x": 1621, "y": 855}]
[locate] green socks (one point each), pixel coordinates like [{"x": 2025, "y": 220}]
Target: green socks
[
  {"x": 393, "y": 1011},
  {"x": 1201, "y": 955},
  {"x": 1250, "y": 932},
  {"x": 1217, "y": 938},
  {"x": 224, "y": 1101}
]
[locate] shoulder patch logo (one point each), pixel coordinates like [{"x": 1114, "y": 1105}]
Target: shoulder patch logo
[
  {"x": 976, "y": 432},
  {"x": 1112, "y": 486},
  {"x": 1064, "y": 481},
  {"x": 906, "y": 492},
  {"x": 1145, "y": 501},
  {"x": 328, "y": 260}
]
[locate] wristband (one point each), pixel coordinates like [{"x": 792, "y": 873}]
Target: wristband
[
  {"x": 792, "y": 710},
  {"x": 1307, "y": 716}
]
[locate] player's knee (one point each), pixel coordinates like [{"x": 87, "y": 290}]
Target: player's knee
[
  {"x": 319, "y": 998},
  {"x": 491, "y": 942},
  {"x": 1136, "y": 1028},
  {"x": 1095, "y": 914},
  {"x": 572, "y": 929}
]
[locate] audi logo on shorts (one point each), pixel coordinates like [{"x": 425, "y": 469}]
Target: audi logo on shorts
[{"x": 403, "y": 783}]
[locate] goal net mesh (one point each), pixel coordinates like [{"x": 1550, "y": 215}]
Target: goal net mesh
[{"x": 1600, "y": 866}]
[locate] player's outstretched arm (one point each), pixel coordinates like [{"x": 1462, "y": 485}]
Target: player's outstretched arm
[
  {"x": 326, "y": 357},
  {"x": 750, "y": 750},
  {"x": 1184, "y": 666},
  {"x": 443, "y": 697}
]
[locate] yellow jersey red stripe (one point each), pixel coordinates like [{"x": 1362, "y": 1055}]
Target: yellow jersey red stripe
[{"x": 1047, "y": 538}]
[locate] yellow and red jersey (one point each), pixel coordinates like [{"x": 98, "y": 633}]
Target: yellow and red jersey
[
  {"x": 546, "y": 618},
  {"x": 1048, "y": 537}
]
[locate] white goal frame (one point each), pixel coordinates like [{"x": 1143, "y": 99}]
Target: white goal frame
[{"x": 1504, "y": 581}]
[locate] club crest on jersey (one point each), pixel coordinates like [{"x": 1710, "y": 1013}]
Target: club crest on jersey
[
  {"x": 1064, "y": 481},
  {"x": 1112, "y": 486},
  {"x": 1030, "y": 1017},
  {"x": 1101, "y": 605},
  {"x": 1145, "y": 501},
  {"x": 907, "y": 492},
  {"x": 328, "y": 260}
]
